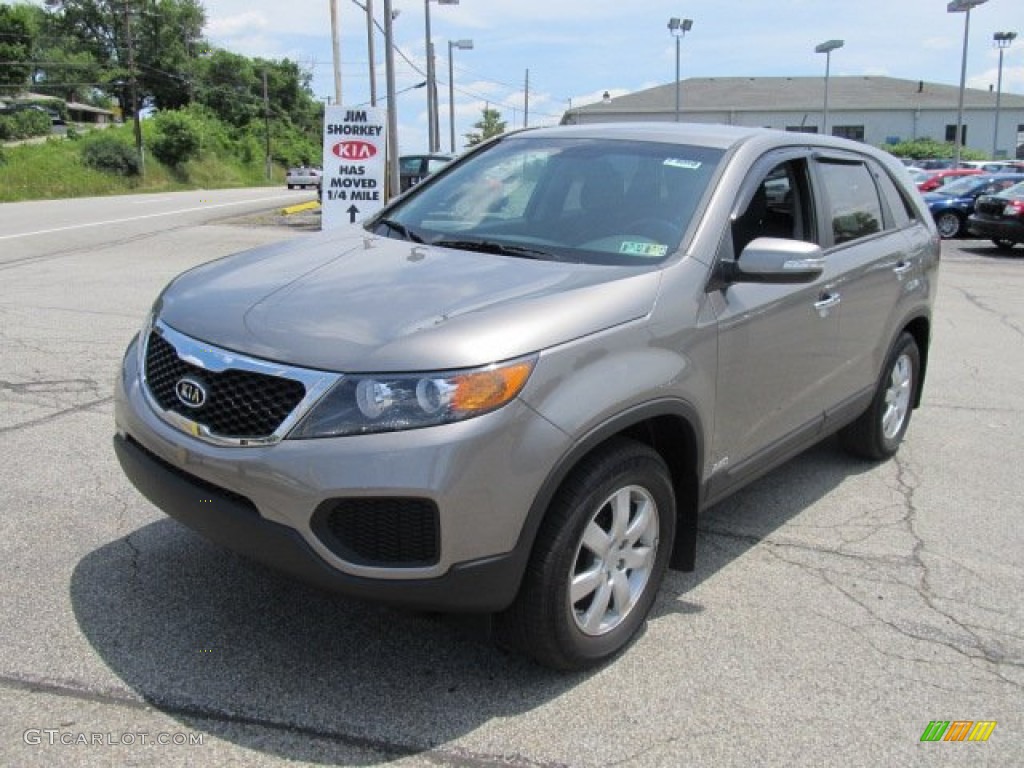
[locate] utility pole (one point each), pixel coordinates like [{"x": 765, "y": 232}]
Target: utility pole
[
  {"x": 266, "y": 119},
  {"x": 336, "y": 48},
  {"x": 526, "y": 102},
  {"x": 134, "y": 89}
]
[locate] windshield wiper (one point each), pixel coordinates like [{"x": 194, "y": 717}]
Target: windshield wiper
[
  {"x": 492, "y": 246},
  {"x": 401, "y": 229}
]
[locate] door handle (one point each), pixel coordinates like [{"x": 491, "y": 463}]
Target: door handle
[
  {"x": 826, "y": 303},
  {"x": 902, "y": 268}
]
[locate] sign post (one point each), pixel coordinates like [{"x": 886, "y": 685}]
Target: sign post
[{"x": 355, "y": 171}]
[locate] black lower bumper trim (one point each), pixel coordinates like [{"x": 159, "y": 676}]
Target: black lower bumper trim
[{"x": 233, "y": 521}]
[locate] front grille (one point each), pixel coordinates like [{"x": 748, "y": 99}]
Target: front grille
[
  {"x": 383, "y": 532},
  {"x": 238, "y": 404}
]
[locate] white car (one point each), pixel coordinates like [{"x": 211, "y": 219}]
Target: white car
[{"x": 303, "y": 177}]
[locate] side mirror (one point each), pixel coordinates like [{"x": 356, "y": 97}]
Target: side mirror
[{"x": 776, "y": 260}]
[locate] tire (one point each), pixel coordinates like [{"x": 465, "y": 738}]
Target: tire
[
  {"x": 291, "y": 186},
  {"x": 878, "y": 432},
  {"x": 949, "y": 224},
  {"x": 609, "y": 529},
  {"x": 1003, "y": 245}
]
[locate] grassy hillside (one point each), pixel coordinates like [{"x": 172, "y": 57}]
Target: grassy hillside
[{"x": 56, "y": 169}]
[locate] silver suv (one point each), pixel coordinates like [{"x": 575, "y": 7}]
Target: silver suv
[{"x": 515, "y": 389}]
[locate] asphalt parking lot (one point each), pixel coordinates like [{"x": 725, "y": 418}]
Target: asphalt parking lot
[{"x": 838, "y": 607}]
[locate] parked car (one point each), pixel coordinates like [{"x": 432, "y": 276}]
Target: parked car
[
  {"x": 1000, "y": 217},
  {"x": 932, "y": 180},
  {"x": 303, "y": 176},
  {"x": 993, "y": 166},
  {"x": 952, "y": 204},
  {"x": 523, "y": 407},
  {"x": 412, "y": 169},
  {"x": 935, "y": 163}
]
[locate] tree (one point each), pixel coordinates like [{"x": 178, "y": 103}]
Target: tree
[
  {"x": 17, "y": 37},
  {"x": 489, "y": 125},
  {"x": 152, "y": 42}
]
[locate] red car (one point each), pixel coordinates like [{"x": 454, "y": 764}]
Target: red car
[{"x": 931, "y": 180}]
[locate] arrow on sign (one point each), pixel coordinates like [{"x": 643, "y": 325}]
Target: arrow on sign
[{"x": 352, "y": 211}]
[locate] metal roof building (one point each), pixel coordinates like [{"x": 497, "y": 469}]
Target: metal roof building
[{"x": 877, "y": 110}]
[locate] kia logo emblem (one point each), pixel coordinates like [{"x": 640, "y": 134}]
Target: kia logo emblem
[
  {"x": 191, "y": 393},
  {"x": 354, "y": 150}
]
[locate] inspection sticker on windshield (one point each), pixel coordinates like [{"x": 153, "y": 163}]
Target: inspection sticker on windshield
[
  {"x": 675, "y": 162},
  {"x": 643, "y": 249}
]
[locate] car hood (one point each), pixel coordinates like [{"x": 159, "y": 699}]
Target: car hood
[
  {"x": 356, "y": 302},
  {"x": 938, "y": 198}
]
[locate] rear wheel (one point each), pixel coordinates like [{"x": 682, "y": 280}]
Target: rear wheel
[
  {"x": 948, "y": 223},
  {"x": 878, "y": 432},
  {"x": 599, "y": 558},
  {"x": 1003, "y": 245}
]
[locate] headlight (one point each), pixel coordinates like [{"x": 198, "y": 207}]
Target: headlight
[{"x": 362, "y": 404}]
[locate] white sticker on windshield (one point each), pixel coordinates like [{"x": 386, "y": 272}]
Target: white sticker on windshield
[
  {"x": 675, "y": 162},
  {"x": 655, "y": 250}
]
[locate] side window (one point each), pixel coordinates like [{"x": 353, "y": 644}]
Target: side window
[
  {"x": 436, "y": 164},
  {"x": 900, "y": 207},
  {"x": 410, "y": 166},
  {"x": 779, "y": 207},
  {"x": 853, "y": 208}
]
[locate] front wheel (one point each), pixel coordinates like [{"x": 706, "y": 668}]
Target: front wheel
[
  {"x": 599, "y": 558},
  {"x": 878, "y": 432},
  {"x": 1003, "y": 245},
  {"x": 948, "y": 224}
]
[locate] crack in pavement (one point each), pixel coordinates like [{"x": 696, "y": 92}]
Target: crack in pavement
[
  {"x": 1003, "y": 318},
  {"x": 81, "y": 408},
  {"x": 982, "y": 645}
]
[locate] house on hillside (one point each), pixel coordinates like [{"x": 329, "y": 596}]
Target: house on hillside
[{"x": 61, "y": 111}]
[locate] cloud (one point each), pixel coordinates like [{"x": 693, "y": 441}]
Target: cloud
[{"x": 237, "y": 25}]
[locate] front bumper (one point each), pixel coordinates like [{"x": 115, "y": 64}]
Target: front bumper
[
  {"x": 482, "y": 475},
  {"x": 231, "y": 520}
]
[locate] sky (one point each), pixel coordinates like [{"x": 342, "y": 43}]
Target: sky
[{"x": 578, "y": 49}]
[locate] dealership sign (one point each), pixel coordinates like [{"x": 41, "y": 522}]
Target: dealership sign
[{"x": 355, "y": 142}]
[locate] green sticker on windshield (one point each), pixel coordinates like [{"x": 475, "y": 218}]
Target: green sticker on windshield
[{"x": 643, "y": 249}]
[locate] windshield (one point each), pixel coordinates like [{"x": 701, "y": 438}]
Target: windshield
[
  {"x": 962, "y": 187},
  {"x": 589, "y": 201},
  {"x": 1017, "y": 190}
]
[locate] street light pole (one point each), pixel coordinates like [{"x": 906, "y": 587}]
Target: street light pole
[
  {"x": 1002, "y": 41},
  {"x": 462, "y": 45},
  {"x": 678, "y": 28},
  {"x": 371, "y": 53},
  {"x": 433, "y": 122},
  {"x": 827, "y": 47},
  {"x": 962, "y": 6}
]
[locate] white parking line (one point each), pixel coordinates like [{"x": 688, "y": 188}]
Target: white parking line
[{"x": 136, "y": 218}]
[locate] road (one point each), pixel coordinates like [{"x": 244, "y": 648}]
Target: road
[{"x": 837, "y": 609}]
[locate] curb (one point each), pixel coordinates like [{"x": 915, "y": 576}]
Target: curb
[{"x": 310, "y": 206}]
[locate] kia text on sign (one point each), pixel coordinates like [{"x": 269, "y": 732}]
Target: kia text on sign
[{"x": 355, "y": 142}]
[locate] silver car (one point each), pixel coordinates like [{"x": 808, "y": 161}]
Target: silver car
[
  {"x": 303, "y": 176},
  {"x": 516, "y": 388}
]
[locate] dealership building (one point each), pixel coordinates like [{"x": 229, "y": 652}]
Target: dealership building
[{"x": 876, "y": 110}]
